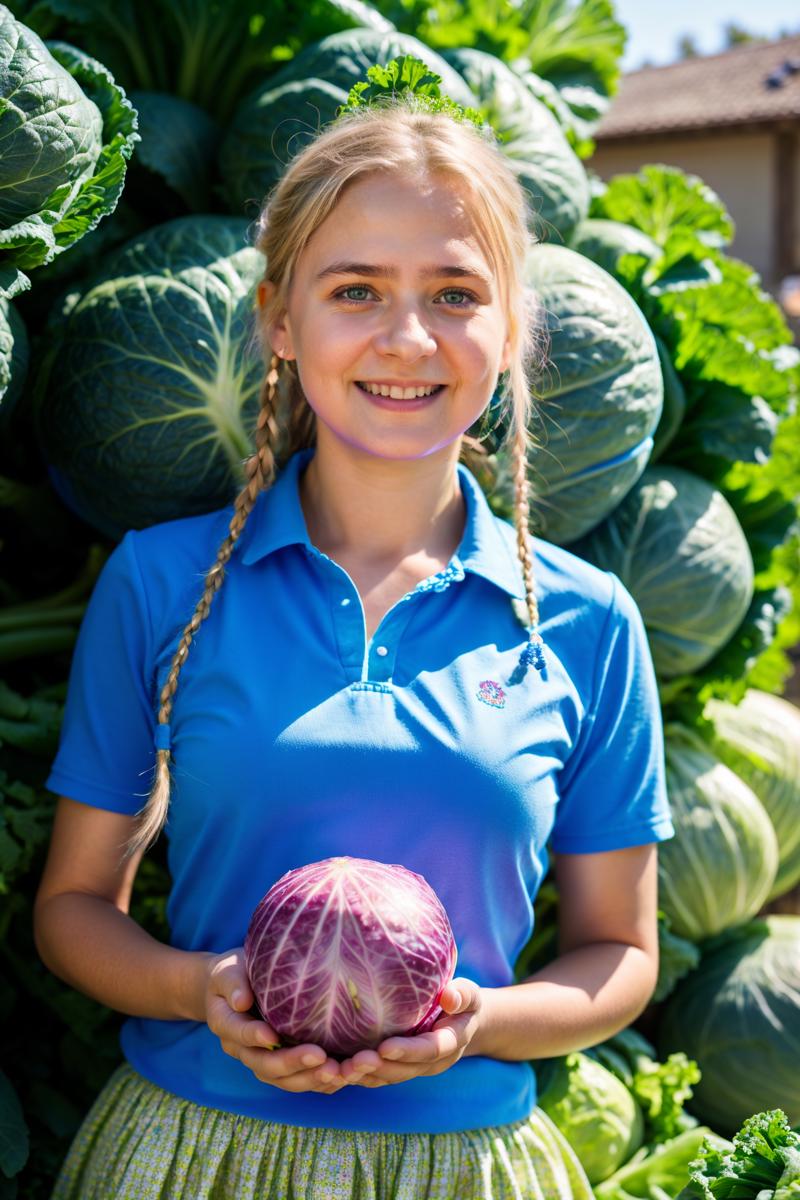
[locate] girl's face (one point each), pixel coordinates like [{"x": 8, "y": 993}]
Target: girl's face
[{"x": 393, "y": 293}]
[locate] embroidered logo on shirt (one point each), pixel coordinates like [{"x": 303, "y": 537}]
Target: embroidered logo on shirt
[{"x": 491, "y": 693}]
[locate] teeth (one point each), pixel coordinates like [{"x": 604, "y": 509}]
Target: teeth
[{"x": 398, "y": 393}]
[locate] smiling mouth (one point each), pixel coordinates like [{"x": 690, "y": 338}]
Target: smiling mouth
[{"x": 395, "y": 392}]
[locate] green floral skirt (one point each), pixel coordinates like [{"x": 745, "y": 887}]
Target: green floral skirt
[{"x": 140, "y": 1142}]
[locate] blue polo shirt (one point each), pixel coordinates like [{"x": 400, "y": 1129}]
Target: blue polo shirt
[{"x": 295, "y": 740}]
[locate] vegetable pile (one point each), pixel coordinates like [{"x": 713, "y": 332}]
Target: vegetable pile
[
  {"x": 762, "y": 1164},
  {"x": 140, "y": 142},
  {"x": 346, "y": 952}
]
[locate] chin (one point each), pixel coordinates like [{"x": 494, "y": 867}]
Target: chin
[{"x": 400, "y": 449}]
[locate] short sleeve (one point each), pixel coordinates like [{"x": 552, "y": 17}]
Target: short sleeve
[
  {"x": 612, "y": 788},
  {"x": 106, "y": 756}
]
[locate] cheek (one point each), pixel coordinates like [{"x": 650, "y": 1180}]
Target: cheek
[{"x": 483, "y": 340}]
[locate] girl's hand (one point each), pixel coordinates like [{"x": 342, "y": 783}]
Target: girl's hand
[
  {"x": 400, "y": 1058},
  {"x": 228, "y": 1000}
]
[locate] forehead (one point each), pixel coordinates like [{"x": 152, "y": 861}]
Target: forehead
[{"x": 389, "y": 218}]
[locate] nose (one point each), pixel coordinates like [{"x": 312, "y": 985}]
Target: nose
[{"x": 405, "y": 335}]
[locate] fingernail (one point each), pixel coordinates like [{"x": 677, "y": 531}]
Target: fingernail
[
  {"x": 312, "y": 1060},
  {"x": 457, "y": 999},
  {"x": 392, "y": 1054},
  {"x": 237, "y": 998}
]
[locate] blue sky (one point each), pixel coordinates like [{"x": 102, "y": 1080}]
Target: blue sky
[{"x": 653, "y": 28}]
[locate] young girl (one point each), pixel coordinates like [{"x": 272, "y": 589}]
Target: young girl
[{"x": 356, "y": 679}]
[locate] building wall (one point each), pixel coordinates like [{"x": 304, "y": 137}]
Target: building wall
[
  {"x": 739, "y": 167},
  {"x": 796, "y": 247}
]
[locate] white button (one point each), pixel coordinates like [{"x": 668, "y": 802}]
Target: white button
[
  {"x": 382, "y": 651},
  {"x": 345, "y": 602}
]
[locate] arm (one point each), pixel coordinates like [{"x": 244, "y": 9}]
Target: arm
[
  {"x": 607, "y": 964},
  {"x": 84, "y": 934}
]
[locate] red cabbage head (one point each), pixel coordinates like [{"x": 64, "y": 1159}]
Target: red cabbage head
[{"x": 346, "y": 952}]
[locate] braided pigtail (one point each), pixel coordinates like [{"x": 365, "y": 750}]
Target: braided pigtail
[
  {"x": 533, "y": 652},
  {"x": 259, "y": 470}
]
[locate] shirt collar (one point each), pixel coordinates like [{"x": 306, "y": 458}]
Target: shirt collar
[{"x": 277, "y": 521}]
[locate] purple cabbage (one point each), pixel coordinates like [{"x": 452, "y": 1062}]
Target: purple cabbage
[{"x": 346, "y": 952}]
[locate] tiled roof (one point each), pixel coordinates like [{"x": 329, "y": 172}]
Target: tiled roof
[{"x": 759, "y": 82}]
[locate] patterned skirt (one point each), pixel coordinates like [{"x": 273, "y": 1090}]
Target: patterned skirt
[{"x": 140, "y": 1142}]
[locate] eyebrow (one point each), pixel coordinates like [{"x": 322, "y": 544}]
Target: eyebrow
[{"x": 377, "y": 270}]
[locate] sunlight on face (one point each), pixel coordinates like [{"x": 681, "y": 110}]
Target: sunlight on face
[{"x": 394, "y": 291}]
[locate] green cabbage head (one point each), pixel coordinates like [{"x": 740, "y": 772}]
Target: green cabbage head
[
  {"x": 67, "y": 132},
  {"x": 738, "y": 1017},
  {"x": 759, "y": 739},
  {"x": 531, "y": 139},
  {"x": 281, "y": 116},
  {"x": 597, "y": 402},
  {"x": 595, "y": 1112},
  {"x": 718, "y": 869},
  {"x": 676, "y": 544},
  {"x": 148, "y": 396}
]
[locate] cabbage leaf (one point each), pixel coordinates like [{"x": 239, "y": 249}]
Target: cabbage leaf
[
  {"x": 661, "y": 199},
  {"x": 178, "y": 143},
  {"x": 567, "y": 52},
  {"x": 660, "y": 1174},
  {"x": 661, "y": 1089},
  {"x": 676, "y": 958},
  {"x": 68, "y": 132},
  {"x": 763, "y": 1163},
  {"x": 210, "y": 53}
]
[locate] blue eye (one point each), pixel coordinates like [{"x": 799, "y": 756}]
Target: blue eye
[
  {"x": 354, "y": 287},
  {"x": 463, "y": 297},
  {"x": 360, "y": 293}
]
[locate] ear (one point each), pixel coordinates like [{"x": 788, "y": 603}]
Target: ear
[{"x": 276, "y": 331}]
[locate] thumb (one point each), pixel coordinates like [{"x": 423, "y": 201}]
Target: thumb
[
  {"x": 241, "y": 997},
  {"x": 460, "y": 995},
  {"x": 232, "y": 982}
]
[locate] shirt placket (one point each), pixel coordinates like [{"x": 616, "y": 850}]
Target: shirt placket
[{"x": 374, "y": 661}]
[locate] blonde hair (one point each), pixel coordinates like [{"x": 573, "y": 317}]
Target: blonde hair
[{"x": 384, "y": 138}]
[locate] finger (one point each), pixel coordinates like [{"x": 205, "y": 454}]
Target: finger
[
  {"x": 460, "y": 995},
  {"x": 368, "y": 1068},
  {"x": 294, "y": 1060},
  {"x": 442, "y": 1042},
  {"x": 291, "y": 1069},
  {"x": 240, "y": 1027},
  {"x": 364, "y": 1063}
]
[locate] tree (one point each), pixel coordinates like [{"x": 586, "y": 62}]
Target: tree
[
  {"x": 737, "y": 35},
  {"x": 687, "y": 46}
]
